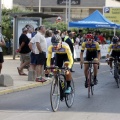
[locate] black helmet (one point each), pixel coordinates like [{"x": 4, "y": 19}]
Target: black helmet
[
  {"x": 115, "y": 39},
  {"x": 56, "y": 39}
]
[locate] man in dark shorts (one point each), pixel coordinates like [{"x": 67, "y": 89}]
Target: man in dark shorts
[
  {"x": 92, "y": 54},
  {"x": 24, "y": 51},
  {"x": 40, "y": 52},
  {"x": 2, "y": 43}
]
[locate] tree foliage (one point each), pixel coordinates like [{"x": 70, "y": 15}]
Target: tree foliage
[{"x": 7, "y": 21}]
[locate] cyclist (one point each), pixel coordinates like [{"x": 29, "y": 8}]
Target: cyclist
[
  {"x": 92, "y": 53},
  {"x": 63, "y": 54},
  {"x": 113, "y": 51}
]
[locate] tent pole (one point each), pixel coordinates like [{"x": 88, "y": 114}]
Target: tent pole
[{"x": 114, "y": 31}]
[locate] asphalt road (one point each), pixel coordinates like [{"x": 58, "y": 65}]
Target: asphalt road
[{"x": 34, "y": 104}]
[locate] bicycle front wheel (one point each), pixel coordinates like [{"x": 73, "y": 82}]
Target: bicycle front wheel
[
  {"x": 92, "y": 84},
  {"x": 55, "y": 94},
  {"x": 69, "y": 98}
]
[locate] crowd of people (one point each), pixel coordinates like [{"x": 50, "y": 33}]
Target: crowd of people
[{"x": 41, "y": 47}]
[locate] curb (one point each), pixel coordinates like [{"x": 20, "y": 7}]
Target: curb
[{"x": 25, "y": 87}]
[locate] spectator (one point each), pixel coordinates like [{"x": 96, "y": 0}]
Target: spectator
[
  {"x": 48, "y": 37},
  {"x": 2, "y": 43},
  {"x": 40, "y": 51},
  {"x": 24, "y": 51},
  {"x": 69, "y": 42},
  {"x": 108, "y": 41}
]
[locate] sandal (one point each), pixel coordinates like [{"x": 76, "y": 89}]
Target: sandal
[
  {"x": 23, "y": 74},
  {"x": 18, "y": 70}
]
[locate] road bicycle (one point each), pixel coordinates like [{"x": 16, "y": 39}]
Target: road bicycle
[
  {"x": 116, "y": 71},
  {"x": 90, "y": 77},
  {"x": 58, "y": 87}
]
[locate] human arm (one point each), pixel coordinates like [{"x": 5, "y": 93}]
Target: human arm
[
  {"x": 98, "y": 50},
  {"x": 21, "y": 46},
  {"x": 38, "y": 47},
  {"x": 109, "y": 50},
  {"x": 2, "y": 42},
  {"x": 70, "y": 57},
  {"x": 81, "y": 53},
  {"x": 49, "y": 56}
]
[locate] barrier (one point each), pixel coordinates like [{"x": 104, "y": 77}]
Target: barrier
[{"x": 77, "y": 50}]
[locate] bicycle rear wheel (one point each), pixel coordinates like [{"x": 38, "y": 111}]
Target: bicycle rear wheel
[
  {"x": 116, "y": 76},
  {"x": 55, "y": 94},
  {"x": 69, "y": 98}
]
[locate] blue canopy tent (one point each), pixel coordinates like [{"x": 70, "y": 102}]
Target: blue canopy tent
[{"x": 95, "y": 20}]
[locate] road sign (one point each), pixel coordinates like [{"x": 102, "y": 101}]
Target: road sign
[{"x": 112, "y": 13}]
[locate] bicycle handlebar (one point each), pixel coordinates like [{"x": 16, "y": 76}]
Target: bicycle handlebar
[{"x": 56, "y": 67}]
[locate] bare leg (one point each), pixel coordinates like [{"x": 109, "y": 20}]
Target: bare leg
[
  {"x": 39, "y": 70},
  {"x": 0, "y": 67}
]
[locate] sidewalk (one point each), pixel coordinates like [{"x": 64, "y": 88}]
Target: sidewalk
[{"x": 20, "y": 82}]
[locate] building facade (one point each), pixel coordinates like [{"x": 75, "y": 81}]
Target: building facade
[{"x": 79, "y": 8}]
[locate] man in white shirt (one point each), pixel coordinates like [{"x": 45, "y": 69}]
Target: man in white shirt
[
  {"x": 40, "y": 51},
  {"x": 2, "y": 43}
]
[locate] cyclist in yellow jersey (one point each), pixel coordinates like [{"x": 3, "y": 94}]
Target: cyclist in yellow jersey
[
  {"x": 63, "y": 54},
  {"x": 113, "y": 51},
  {"x": 92, "y": 53}
]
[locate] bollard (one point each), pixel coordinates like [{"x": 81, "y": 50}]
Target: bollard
[
  {"x": 6, "y": 80},
  {"x": 31, "y": 75}
]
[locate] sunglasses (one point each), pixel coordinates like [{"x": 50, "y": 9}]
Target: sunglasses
[{"x": 88, "y": 39}]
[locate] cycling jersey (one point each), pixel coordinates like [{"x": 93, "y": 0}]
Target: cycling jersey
[
  {"x": 115, "y": 51},
  {"x": 62, "y": 51},
  {"x": 114, "y": 48},
  {"x": 91, "y": 50}
]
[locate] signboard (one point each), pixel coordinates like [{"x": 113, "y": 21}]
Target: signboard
[
  {"x": 22, "y": 22},
  {"x": 73, "y": 2},
  {"x": 112, "y": 14}
]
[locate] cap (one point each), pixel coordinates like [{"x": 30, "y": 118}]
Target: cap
[
  {"x": 24, "y": 29},
  {"x": 56, "y": 39}
]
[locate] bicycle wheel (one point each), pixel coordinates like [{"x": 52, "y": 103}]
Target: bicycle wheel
[
  {"x": 69, "y": 98},
  {"x": 118, "y": 80},
  {"x": 89, "y": 83},
  {"x": 92, "y": 85},
  {"x": 116, "y": 75},
  {"x": 55, "y": 94}
]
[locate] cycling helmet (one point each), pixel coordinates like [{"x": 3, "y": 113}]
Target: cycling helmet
[
  {"x": 115, "y": 39},
  {"x": 56, "y": 39},
  {"x": 89, "y": 36}
]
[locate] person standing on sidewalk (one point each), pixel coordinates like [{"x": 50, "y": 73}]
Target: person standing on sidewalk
[
  {"x": 24, "y": 51},
  {"x": 2, "y": 43},
  {"x": 40, "y": 51}
]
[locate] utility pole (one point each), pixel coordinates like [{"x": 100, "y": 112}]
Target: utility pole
[
  {"x": 0, "y": 16},
  {"x": 66, "y": 11},
  {"x": 39, "y": 5},
  {"x": 69, "y": 8}
]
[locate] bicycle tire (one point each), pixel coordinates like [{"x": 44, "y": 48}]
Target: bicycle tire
[
  {"x": 70, "y": 96},
  {"x": 116, "y": 76},
  {"x": 89, "y": 83},
  {"x": 55, "y": 86},
  {"x": 92, "y": 86}
]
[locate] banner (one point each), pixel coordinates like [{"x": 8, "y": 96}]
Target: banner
[
  {"x": 103, "y": 48},
  {"x": 112, "y": 14}
]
